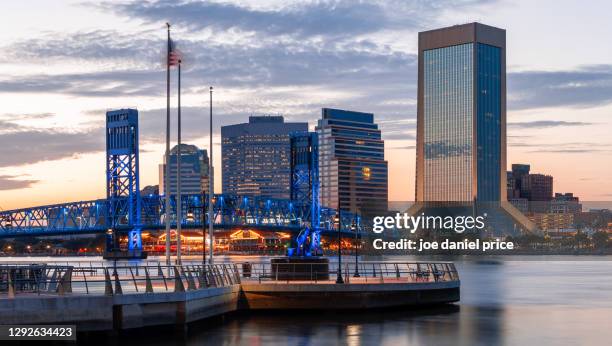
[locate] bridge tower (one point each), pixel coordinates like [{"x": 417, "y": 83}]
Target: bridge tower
[
  {"x": 305, "y": 174},
  {"x": 122, "y": 182}
]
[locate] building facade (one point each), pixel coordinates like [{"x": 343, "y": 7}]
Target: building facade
[
  {"x": 353, "y": 172},
  {"x": 194, "y": 171},
  {"x": 565, "y": 203},
  {"x": 256, "y": 157},
  {"x": 461, "y": 114}
]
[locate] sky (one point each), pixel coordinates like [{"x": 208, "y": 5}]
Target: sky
[{"x": 64, "y": 63}]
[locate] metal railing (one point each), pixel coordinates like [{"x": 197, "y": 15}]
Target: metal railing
[
  {"x": 112, "y": 280},
  {"x": 52, "y": 279},
  {"x": 364, "y": 272}
]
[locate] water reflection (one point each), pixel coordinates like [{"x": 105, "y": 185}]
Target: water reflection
[{"x": 543, "y": 301}]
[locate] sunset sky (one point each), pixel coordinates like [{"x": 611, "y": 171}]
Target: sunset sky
[{"x": 64, "y": 63}]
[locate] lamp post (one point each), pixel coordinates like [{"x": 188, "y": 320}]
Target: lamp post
[
  {"x": 203, "y": 232},
  {"x": 337, "y": 220},
  {"x": 354, "y": 229},
  {"x": 179, "y": 202},
  {"x": 167, "y": 154}
]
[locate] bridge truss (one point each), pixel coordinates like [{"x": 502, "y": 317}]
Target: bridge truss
[{"x": 229, "y": 212}]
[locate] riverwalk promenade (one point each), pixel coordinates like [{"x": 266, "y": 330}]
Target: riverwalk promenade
[{"x": 123, "y": 297}]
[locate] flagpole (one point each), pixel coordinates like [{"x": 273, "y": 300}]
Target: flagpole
[
  {"x": 167, "y": 156},
  {"x": 179, "y": 207},
  {"x": 211, "y": 189}
]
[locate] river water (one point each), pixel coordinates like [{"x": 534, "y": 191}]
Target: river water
[{"x": 560, "y": 300}]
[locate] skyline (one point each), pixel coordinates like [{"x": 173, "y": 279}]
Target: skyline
[{"x": 557, "y": 109}]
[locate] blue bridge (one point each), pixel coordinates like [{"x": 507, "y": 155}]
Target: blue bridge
[
  {"x": 229, "y": 212},
  {"x": 125, "y": 210}
]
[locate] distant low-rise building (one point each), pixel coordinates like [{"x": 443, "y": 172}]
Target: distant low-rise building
[
  {"x": 565, "y": 203},
  {"x": 552, "y": 221}
]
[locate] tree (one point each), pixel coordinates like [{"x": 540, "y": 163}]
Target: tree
[
  {"x": 581, "y": 239},
  {"x": 600, "y": 239}
]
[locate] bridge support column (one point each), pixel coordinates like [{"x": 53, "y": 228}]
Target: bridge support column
[{"x": 135, "y": 240}]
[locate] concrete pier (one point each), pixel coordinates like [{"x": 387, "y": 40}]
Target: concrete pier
[
  {"x": 194, "y": 294},
  {"x": 347, "y": 296}
]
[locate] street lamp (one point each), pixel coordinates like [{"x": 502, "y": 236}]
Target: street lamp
[
  {"x": 337, "y": 219},
  {"x": 354, "y": 229}
]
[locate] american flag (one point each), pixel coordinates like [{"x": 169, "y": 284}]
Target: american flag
[{"x": 174, "y": 55}]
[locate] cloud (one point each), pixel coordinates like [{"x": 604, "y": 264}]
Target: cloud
[
  {"x": 407, "y": 147},
  {"x": 565, "y": 147},
  {"x": 570, "y": 151},
  {"x": 92, "y": 84},
  {"x": 540, "y": 124},
  {"x": 11, "y": 182},
  {"x": 25, "y": 116},
  {"x": 301, "y": 20},
  {"x": 100, "y": 46},
  {"x": 588, "y": 86},
  {"x": 33, "y": 145}
]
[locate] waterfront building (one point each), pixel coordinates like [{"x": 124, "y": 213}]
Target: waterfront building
[
  {"x": 461, "y": 118},
  {"x": 552, "y": 221},
  {"x": 537, "y": 187},
  {"x": 565, "y": 203},
  {"x": 515, "y": 178},
  {"x": 353, "y": 172},
  {"x": 461, "y": 114},
  {"x": 256, "y": 156},
  {"x": 194, "y": 171}
]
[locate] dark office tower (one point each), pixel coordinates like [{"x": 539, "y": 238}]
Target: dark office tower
[
  {"x": 461, "y": 114},
  {"x": 519, "y": 171},
  {"x": 538, "y": 189},
  {"x": 305, "y": 172},
  {"x": 256, "y": 157},
  {"x": 352, "y": 166}
]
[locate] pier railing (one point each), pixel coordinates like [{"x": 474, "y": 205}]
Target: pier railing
[
  {"x": 362, "y": 272},
  {"x": 112, "y": 280}
]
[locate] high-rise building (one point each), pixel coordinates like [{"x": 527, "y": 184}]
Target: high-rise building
[
  {"x": 461, "y": 119},
  {"x": 256, "y": 156},
  {"x": 461, "y": 114},
  {"x": 194, "y": 171},
  {"x": 352, "y": 168}
]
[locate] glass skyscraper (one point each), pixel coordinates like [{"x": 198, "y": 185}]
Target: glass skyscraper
[
  {"x": 194, "y": 171},
  {"x": 256, "y": 157},
  {"x": 352, "y": 167},
  {"x": 461, "y": 114},
  {"x": 461, "y": 125}
]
